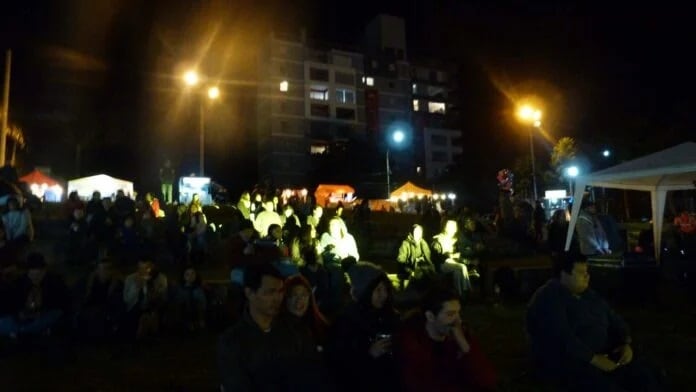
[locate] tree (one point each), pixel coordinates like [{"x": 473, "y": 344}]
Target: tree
[
  {"x": 522, "y": 169},
  {"x": 564, "y": 153}
]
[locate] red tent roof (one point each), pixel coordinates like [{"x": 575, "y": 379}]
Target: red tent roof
[{"x": 36, "y": 177}]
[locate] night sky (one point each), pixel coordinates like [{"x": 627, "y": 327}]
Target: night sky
[{"x": 102, "y": 72}]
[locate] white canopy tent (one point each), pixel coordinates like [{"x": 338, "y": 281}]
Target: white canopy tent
[
  {"x": 667, "y": 170},
  {"x": 106, "y": 185}
]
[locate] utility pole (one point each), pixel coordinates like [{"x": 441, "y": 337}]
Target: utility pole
[{"x": 5, "y": 108}]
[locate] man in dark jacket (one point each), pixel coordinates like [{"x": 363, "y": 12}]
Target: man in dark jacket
[
  {"x": 38, "y": 301},
  {"x": 264, "y": 352},
  {"x": 578, "y": 341},
  {"x": 414, "y": 256}
]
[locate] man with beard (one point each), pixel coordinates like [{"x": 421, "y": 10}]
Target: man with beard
[{"x": 437, "y": 353}]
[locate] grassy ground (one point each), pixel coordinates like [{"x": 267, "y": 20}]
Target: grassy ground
[{"x": 663, "y": 332}]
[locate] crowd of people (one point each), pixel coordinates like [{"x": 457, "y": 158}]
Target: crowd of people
[{"x": 312, "y": 315}]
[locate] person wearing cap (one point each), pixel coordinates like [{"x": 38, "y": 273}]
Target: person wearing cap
[
  {"x": 359, "y": 349},
  {"x": 591, "y": 234},
  {"x": 37, "y": 302}
]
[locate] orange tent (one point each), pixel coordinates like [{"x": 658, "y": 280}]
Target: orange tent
[
  {"x": 327, "y": 194},
  {"x": 410, "y": 190},
  {"x": 36, "y": 177}
]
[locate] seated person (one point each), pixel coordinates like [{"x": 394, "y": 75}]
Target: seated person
[
  {"x": 144, "y": 294},
  {"x": 591, "y": 233},
  {"x": 300, "y": 305},
  {"x": 17, "y": 221},
  {"x": 263, "y": 351},
  {"x": 414, "y": 256},
  {"x": 189, "y": 302},
  {"x": 100, "y": 302},
  {"x": 437, "y": 353},
  {"x": 447, "y": 258},
  {"x": 38, "y": 301},
  {"x": 359, "y": 349},
  {"x": 337, "y": 244},
  {"x": 472, "y": 246},
  {"x": 578, "y": 341}
]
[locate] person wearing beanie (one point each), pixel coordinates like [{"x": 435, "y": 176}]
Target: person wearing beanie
[{"x": 359, "y": 349}]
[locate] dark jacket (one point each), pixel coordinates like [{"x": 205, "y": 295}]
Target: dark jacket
[
  {"x": 348, "y": 349},
  {"x": 566, "y": 330},
  {"x": 282, "y": 359},
  {"x": 414, "y": 256},
  {"x": 54, "y": 293}
]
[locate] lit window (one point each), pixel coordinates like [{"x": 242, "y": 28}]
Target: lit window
[
  {"x": 415, "y": 105},
  {"x": 284, "y": 86},
  {"x": 370, "y": 81},
  {"x": 345, "y": 95},
  {"x": 317, "y": 149},
  {"x": 436, "y": 107},
  {"x": 319, "y": 93},
  {"x": 414, "y": 87}
]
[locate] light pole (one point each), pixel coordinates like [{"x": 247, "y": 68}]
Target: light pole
[
  {"x": 531, "y": 115},
  {"x": 398, "y": 137},
  {"x": 191, "y": 79},
  {"x": 571, "y": 173}
]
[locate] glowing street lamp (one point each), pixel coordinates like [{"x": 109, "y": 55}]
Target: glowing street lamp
[
  {"x": 531, "y": 115},
  {"x": 213, "y": 92},
  {"x": 606, "y": 153},
  {"x": 398, "y": 137},
  {"x": 572, "y": 171},
  {"x": 191, "y": 78}
]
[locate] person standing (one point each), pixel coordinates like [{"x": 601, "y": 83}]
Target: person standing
[{"x": 166, "y": 176}]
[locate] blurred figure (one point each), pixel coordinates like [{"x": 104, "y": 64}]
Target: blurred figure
[
  {"x": 38, "y": 301},
  {"x": 414, "y": 256},
  {"x": 167, "y": 176},
  {"x": 189, "y": 302},
  {"x": 558, "y": 230},
  {"x": 591, "y": 234},
  {"x": 19, "y": 229},
  {"x": 144, "y": 294},
  {"x": 447, "y": 258},
  {"x": 100, "y": 303},
  {"x": 266, "y": 218}
]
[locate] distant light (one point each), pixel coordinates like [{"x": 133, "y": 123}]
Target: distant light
[
  {"x": 284, "y": 86},
  {"x": 398, "y": 136},
  {"x": 213, "y": 93},
  {"x": 451, "y": 196},
  {"x": 537, "y": 123},
  {"x": 191, "y": 78},
  {"x": 443, "y": 196},
  {"x": 606, "y": 153},
  {"x": 573, "y": 171},
  {"x": 436, "y": 196},
  {"x": 370, "y": 81}
]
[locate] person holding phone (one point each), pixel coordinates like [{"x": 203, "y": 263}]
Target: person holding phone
[{"x": 359, "y": 349}]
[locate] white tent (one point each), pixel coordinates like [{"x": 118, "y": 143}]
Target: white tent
[
  {"x": 667, "y": 170},
  {"x": 106, "y": 185}
]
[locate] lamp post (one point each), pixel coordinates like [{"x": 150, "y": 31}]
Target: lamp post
[
  {"x": 192, "y": 79},
  {"x": 571, "y": 173},
  {"x": 531, "y": 115},
  {"x": 398, "y": 137}
]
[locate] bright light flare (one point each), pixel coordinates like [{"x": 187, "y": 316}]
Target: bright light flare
[
  {"x": 214, "y": 93},
  {"x": 191, "y": 78},
  {"x": 398, "y": 136},
  {"x": 530, "y": 114},
  {"x": 606, "y": 153},
  {"x": 572, "y": 171},
  {"x": 284, "y": 86}
]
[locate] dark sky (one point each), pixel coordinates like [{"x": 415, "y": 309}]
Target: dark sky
[{"x": 100, "y": 71}]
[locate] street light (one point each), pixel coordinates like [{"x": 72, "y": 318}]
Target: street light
[
  {"x": 606, "y": 153},
  {"x": 571, "y": 173},
  {"x": 398, "y": 137},
  {"x": 191, "y": 79},
  {"x": 531, "y": 115}
]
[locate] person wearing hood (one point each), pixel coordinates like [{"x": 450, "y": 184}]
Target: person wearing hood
[
  {"x": 359, "y": 349},
  {"x": 414, "y": 256}
]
